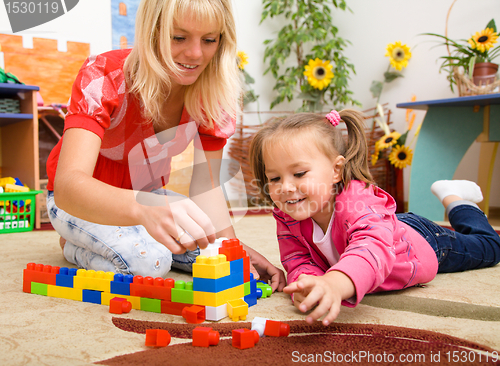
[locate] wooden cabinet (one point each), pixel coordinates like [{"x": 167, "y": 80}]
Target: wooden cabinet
[{"x": 19, "y": 138}]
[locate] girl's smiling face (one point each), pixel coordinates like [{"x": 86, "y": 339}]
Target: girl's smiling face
[{"x": 301, "y": 180}]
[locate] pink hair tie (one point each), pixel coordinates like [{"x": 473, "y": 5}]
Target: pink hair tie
[{"x": 333, "y": 117}]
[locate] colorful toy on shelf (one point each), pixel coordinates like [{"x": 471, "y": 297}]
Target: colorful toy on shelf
[{"x": 219, "y": 288}]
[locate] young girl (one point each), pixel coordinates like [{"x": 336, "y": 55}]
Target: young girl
[
  {"x": 130, "y": 112},
  {"x": 338, "y": 234}
]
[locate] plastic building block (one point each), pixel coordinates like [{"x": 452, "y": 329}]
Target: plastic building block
[
  {"x": 118, "y": 305},
  {"x": 251, "y": 299},
  {"x": 15, "y": 188},
  {"x": 211, "y": 285},
  {"x": 237, "y": 309},
  {"x": 246, "y": 288},
  {"x": 39, "y": 288},
  {"x": 152, "y": 288},
  {"x": 40, "y": 274},
  {"x": 194, "y": 314},
  {"x": 134, "y": 300},
  {"x": 121, "y": 284},
  {"x": 259, "y": 325},
  {"x": 266, "y": 289},
  {"x": 205, "y": 337},
  {"x": 276, "y": 329},
  {"x": 245, "y": 338},
  {"x": 65, "y": 292},
  {"x": 258, "y": 292},
  {"x": 216, "y": 313},
  {"x": 212, "y": 249},
  {"x": 183, "y": 292},
  {"x": 65, "y": 277},
  {"x": 211, "y": 267},
  {"x": 232, "y": 249},
  {"x": 152, "y": 305},
  {"x": 173, "y": 308},
  {"x": 157, "y": 338},
  {"x": 92, "y": 280},
  {"x": 91, "y": 296},
  {"x": 246, "y": 269}
]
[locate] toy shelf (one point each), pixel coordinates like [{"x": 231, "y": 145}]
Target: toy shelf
[{"x": 19, "y": 138}]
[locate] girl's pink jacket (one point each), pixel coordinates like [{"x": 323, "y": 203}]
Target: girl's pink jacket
[{"x": 378, "y": 252}]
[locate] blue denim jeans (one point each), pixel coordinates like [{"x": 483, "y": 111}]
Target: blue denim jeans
[
  {"x": 474, "y": 244},
  {"x": 119, "y": 249}
]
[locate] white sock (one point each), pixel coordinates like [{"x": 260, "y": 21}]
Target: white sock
[{"x": 465, "y": 189}]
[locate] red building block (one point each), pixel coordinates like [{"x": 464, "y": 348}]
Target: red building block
[
  {"x": 157, "y": 338},
  {"x": 118, "y": 305},
  {"x": 39, "y": 273},
  {"x": 276, "y": 329},
  {"x": 205, "y": 337},
  {"x": 173, "y": 308},
  {"x": 152, "y": 288},
  {"x": 246, "y": 268},
  {"x": 232, "y": 249},
  {"x": 245, "y": 338},
  {"x": 194, "y": 314}
]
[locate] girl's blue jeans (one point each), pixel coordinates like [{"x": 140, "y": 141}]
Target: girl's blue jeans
[
  {"x": 473, "y": 244},
  {"x": 119, "y": 249}
]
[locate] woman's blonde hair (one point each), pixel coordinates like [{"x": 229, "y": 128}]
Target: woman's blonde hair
[
  {"x": 314, "y": 129},
  {"x": 149, "y": 66}
]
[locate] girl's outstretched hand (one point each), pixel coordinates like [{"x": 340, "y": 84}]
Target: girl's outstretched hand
[{"x": 323, "y": 293}]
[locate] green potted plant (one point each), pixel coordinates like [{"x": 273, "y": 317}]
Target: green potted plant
[
  {"x": 475, "y": 55},
  {"x": 306, "y": 57}
]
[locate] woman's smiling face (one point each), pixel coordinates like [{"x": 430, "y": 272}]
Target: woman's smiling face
[{"x": 193, "y": 46}]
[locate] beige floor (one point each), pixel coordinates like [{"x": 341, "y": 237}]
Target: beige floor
[{"x": 38, "y": 330}]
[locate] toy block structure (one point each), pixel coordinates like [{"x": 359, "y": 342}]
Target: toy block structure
[{"x": 221, "y": 287}]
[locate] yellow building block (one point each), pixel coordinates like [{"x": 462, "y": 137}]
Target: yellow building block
[
  {"x": 234, "y": 293},
  {"x": 237, "y": 309},
  {"x": 92, "y": 280},
  {"x": 134, "y": 300},
  {"x": 213, "y": 299},
  {"x": 211, "y": 267},
  {"x": 65, "y": 292}
]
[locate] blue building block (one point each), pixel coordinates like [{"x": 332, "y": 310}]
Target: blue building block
[
  {"x": 251, "y": 299},
  {"x": 236, "y": 266},
  {"x": 211, "y": 285},
  {"x": 92, "y": 296},
  {"x": 121, "y": 284},
  {"x": 65, "y": 277},
  {"x": 253, "y": 284}
]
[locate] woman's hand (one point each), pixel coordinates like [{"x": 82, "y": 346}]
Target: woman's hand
[
  {"x": 263, "y": 270},
  {"x": 176, "y": 222},
  {"x": 323, "y": 293}
]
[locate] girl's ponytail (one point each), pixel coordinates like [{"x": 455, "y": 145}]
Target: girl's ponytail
[{"x": 356, "y": 153}]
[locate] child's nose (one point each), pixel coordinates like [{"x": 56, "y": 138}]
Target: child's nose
[{"x": 289, "y": 186}]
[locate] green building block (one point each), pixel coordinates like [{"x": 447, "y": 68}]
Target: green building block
[
  {"x": 246, "y": 288},
  {"x": 39, "y": 288},
  {"x": 183, "y": 292},
  {"x": 152, "y": 305}
]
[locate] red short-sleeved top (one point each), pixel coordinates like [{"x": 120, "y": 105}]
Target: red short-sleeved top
[{"x": 130, "y": 156}]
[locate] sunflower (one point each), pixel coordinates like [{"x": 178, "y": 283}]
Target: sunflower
[
  {"x": 483, "y": 40},
  {"x": 399, "y": 55},
  {"x": 318, "y": 73},
  {"x": 375, "y": 156},
  {"x": 242, "y": 60},
  {"x": 387, "y": 140},
  {"x": 400, "y": 156}
]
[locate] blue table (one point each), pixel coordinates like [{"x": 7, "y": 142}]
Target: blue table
[{"x": 448, "y": 130}]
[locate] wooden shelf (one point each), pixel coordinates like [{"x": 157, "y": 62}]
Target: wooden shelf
[{"x": 19, "y": 138}]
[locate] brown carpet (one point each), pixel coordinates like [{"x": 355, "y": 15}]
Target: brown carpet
[{"x": 343, "y": 344}]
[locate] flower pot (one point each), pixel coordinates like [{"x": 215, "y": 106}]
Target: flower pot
[{"x": 484, "y": 73}]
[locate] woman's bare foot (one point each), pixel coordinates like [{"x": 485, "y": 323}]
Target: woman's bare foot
[{"x": 62, "y": 242}]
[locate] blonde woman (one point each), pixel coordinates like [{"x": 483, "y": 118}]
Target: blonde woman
[{"x": 130, "y": 112}]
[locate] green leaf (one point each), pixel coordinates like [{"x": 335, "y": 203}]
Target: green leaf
[
  {"x": 402, "y": 138},
  {"x": 492, "y": 25},
  {"x": 248, "y": 78},
  {"x": 376, "y": 88},
  {"x": 392, "y": 75}
]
